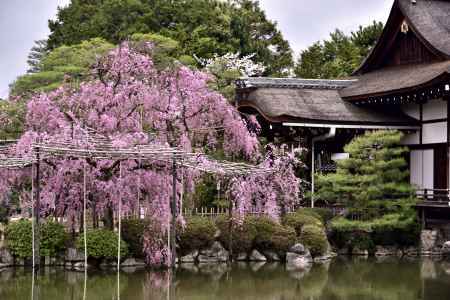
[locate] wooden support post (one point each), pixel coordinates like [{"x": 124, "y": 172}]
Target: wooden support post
[
  {"x": 230, "y": 228},
  {"x": 37, "y": 212},
  {"x": 173, "y": 232}
]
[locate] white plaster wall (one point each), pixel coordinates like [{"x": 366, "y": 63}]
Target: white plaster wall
[
  {"x": 416, "y": 162},
  {"x": 422, "y": 169},
  {"x": 434, "y": 133},
  {"x": 428, "y": 169},
  {"x": 434, "y": 109}
]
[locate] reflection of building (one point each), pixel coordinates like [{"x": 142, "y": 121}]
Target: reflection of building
[{"x": 402, "y": 84}]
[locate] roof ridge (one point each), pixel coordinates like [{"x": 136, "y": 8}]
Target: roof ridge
[{"x": 260, "y": 82}]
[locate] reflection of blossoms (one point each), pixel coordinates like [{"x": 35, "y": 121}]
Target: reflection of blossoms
[
  {"x": 156, "y": 284},
  {"x": 232, "y": 61}
]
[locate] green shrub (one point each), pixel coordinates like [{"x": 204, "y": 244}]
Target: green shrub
[
  {"x": 102, "y": 243},
  {"x": 270, "y": 235},
  {"x": 324, "y": 214},
  {"x": 132, "y": 234},
  {"x": 53, "y": 239},
  {"x": 314, "y": 238},
  {"x": 198, "y": 234},
  {"x": 301, "y": 218},
  {"x": 391, "y": 229},
  {"x": 19, "y": 238},
  {"x": 361, "y": 240},
  {"x": 283, "y": 238},
  {"x": 243, "y": 235}
]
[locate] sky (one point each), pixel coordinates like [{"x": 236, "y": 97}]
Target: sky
[{"x": 302, "y": 22}]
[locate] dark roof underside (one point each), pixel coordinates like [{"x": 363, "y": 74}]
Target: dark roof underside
[
  {"x": 395, "y": 80},
  {"x": 315, "y": 106}
]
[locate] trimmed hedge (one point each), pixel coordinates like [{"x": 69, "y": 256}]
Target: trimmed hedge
[
  {"x": 314, "y": 238},
  {"x": 260, "y": 233},
  {"x": 19, "y": 238},
  {"x": 271, "y": 235},
  {"x": 199, "y": 233},
  {"x": 301, "y": 218},
  {"x": 323, "y": 214},
  {"x": 133, "y": 233},
  {"x": 102, "y": 243},
  {"x": 390, "y": 230},
  {"x": 242, "y": 235}
]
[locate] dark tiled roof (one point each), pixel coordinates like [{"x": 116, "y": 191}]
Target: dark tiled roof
[
  {"x": 295, "y": 83},
  {"x": 279, "y": 104},
  {"x": 431, "y": 18},
  {"x": 394, "y": 79}
]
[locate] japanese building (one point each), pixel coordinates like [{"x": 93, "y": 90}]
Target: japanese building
[{"x": 404, "y": 84}]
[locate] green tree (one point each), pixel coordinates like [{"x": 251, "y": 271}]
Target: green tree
[
  {"x": 338, "y": 56},
  {"x": 374, "y": 180},
  {"x": 202, "y": 27},
  {"x": 65, "y": 63},
  {"x": 366, "y": 37},
  {"x": 37, "y": 53}
]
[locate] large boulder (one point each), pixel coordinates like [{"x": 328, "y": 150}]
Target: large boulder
[
  {"x": 256, "y": 256},
  {"x": 298, "y": 249},
  {"x": 216, "y": 253},
  {"x": 295, "y": 261}
]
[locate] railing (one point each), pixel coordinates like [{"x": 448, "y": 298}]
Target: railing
[
  {"x": 214, "y": 212},
  {"x": 434, "y": 195}
]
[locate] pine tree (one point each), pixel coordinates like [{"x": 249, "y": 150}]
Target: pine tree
[{"x": 374, "y": 180}]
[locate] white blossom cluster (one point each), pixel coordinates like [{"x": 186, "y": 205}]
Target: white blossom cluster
[{"x": 232, "y": 61}]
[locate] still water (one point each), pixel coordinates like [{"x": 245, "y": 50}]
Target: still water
[{"x": 343, "y": 279}]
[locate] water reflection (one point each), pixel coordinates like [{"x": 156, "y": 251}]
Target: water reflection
[{"x": 384, "y": 279}]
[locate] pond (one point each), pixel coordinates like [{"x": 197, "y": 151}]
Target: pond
[{"x": 342, "y": 279}]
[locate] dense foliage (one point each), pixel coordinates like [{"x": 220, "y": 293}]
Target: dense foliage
[
  {"x": 271, "y": 235},
  {"x": 102, "y": 244},
  {"x": 133, "y": 233},
  {"x": 19, "y": 238},
  {"x": 199, "y": 233},
  {"x": 338, "y": 56},
  {"x": 374, "y": 181},
  {"x": 301, "y": 218},
  {"x": 242, "y": 235},
  {"x": 314, "y": 238},
  {"x": 69, "y": 64},
  {"x": 388, "y": 230},
  {"x": 373, "y": 184},
  {"x": 309, "y": 228},
  {"x": 202, "y": 27}
]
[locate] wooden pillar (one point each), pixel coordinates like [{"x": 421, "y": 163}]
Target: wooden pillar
[
  {"x": 37, "y": 211},
  {"x": 230, "y": 227},
  {"x": 173, "y": 205}
]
